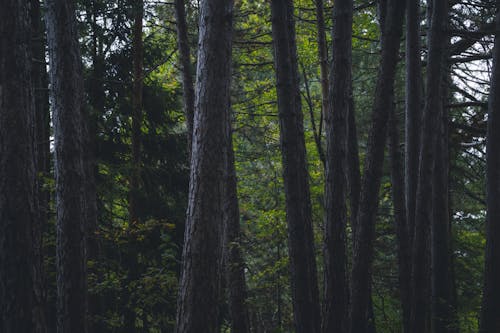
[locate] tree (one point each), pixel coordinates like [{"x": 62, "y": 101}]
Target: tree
[
  {"x": 199, "y": 293},
  {"x": 490, "y": 311},
  {"x": 420, "y": 304},
  {"x": 20, "y": 277},
  {"x": 71, "y": 171},
  {"x": 186, "y": 67},
  {"x": 336, "y": 286},
  {"x": 365, "y": 229},
  {"x": 303, "y": 275}
]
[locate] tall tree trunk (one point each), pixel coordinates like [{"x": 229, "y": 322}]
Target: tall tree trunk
[
  {"x": 199, "y": 294},
  {"x": 186, "y": 67},
  {"x": 442, "y": 308},
  {"x": 413, "y": 104},
  {"x": 365, "y": 230},
  {"x": 39, "y": 80},
  {"x": 413, "y": 116},
  {"x": 336, "y": 293},
  {"x": 423, "y": 210},
  {"x": 70, "y": 128},
  {"x": 135, "y": 175},
  {"x": 324, "y": 70},
  {"x": 303, "y": 277},
  {"x": 235, "y": 265},
  {"x": 401, "y": 225},
  {"x": 20, "y": 280},
  {"x": 490, "y": 311},
  {"x": 97, "y": 100}
]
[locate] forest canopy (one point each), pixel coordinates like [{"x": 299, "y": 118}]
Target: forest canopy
[{"x": 249, "y": 166}]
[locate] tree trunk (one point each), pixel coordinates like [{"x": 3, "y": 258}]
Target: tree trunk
[
  {"x": 401, "y": 225},
  {"x": 365, "y": 230},
  {"x": 199, "y": 295},
  {"x": 423, "y": 209},
  {"x": 186, "y": 67},
  {"x": 235, "y": 265},
  {"x": 336, "y": 293},
  {"x": 413, "y": 104},
  {"x": 20, "y": 280},
  {"x": 490, "y": 311},
  {"x": 324, "y": 68},
  {"x": 70, "y": 129},
  {"x": 303, "y": 277},
  {"x": 135, "y": 175},
  {"x": 442, "y": 308},
  {"x": 39, "y": 81}
]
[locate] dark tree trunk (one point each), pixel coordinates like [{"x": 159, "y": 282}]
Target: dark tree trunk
[
  {"x": 365, "y": 230},
  {"x": 324, "y": 66},
  {"x": 186, "y": 67},
  {"x": 70, "y": 128},
  {"x": 235, "y": 265},
  {"x": 490, "y": 312},
  {"x": 420, "y": 306},
  {"x": 20, "y": 279},
  {"x": 39, "y": 81},
  {"x": 199, "y": 294},
  {"x": 413, "y": 105},
  {"x": 97, "y": 100},
  {"x": 304, "y": 283},
  {"x": 401, "y": 225},
  {"x": 336, "y": 293},
  {"x": 441, "y": 278}
]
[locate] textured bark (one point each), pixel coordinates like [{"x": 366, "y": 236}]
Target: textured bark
[
  {"x": 199, "y": 295},
  {"x": 235, "y": 265},
  {"x": 39, "y": 81},
  {"x": 323, "y": 66},
  {"x": 185, "y": 60},
  {"x": 443, "y": 317},
  {"x": 490, "y": 311},
  {"x": 303, "y": 274},
  {"x": 336, "y": 293},
  {"x": 365, "y": 230},
  {"x": 70, "y": 128},
  {"x": 413, "y": 116},
  {"x": 413, "y": 105},
  {"x": 401, "y": 225},
  {"x": 420, "y": 305},
  {"x": 97, "y": 98},
  {"x": 20, "y": 280}
]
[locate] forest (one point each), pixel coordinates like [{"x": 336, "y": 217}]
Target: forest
[{"x": 250, "y": 166}]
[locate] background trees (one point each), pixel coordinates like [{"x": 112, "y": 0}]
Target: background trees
[{"x": 151, "y": 249}]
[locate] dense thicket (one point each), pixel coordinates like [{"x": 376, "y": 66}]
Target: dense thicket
[{"x": 345, "y": 146}]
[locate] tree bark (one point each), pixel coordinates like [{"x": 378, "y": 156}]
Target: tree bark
[
  {"x": 70, "y": 128},
  {"x": 401, "y": 225},
  {"x": 186, "y": 67},
  {"x": 235, "y": 265},
  {"x": 420, "y": 305},
  {"x": 365, "y": 231},
  {"x": 303, "y": 274},
  {"x": 490, "y": 311},
  {"x": 413, "y": 105},
  {"x": 199, "y": 295},
  {"x": 20, "y": 280},
  {"x": 336, "y": 293},
  {"x": 39, "y": 81}
]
